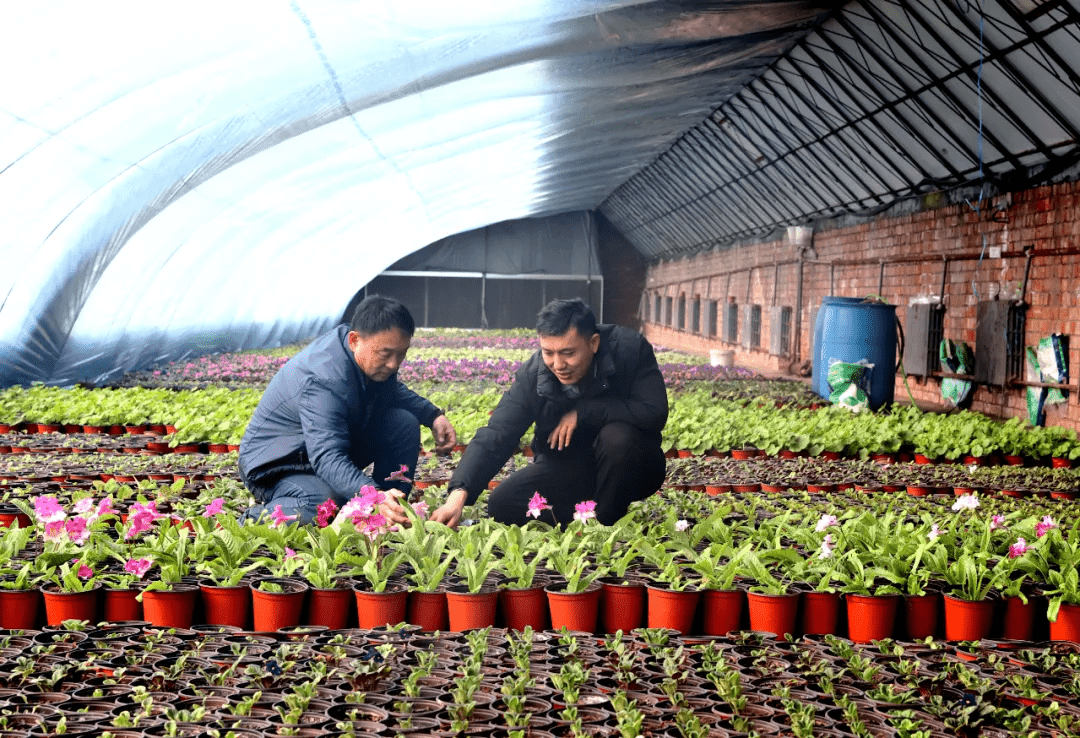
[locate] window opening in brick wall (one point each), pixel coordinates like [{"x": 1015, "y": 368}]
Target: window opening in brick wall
[
  {"x": 667, "y": 310},
  {"x": 785, "y": 331},
  {"x": 731, "y": 322},
  {"x": 711, "y": 318},
  {"x": 695, "y": 315},
  {"x": 682, "y": 313},
  {"x": 656, "y": 309},
  {"x": 755, "y": 326}
]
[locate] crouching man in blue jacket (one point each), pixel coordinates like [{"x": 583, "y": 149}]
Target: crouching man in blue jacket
[{"x": 334, "y": 408}]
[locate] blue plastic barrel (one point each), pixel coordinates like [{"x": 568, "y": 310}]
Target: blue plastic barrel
[{"x": 850, "y": 330}]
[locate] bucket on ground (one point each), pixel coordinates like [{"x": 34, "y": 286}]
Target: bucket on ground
[
  {"x": 721, "y": 357},
  {"x": 852, "y": 330}
]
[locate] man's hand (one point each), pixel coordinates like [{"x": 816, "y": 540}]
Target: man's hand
[
  {"x": 445, "y": 435},
  {"x": 392, "y": 509},
  {"x": 450, "y": 511},
  {"x": 560, "y": 437}
]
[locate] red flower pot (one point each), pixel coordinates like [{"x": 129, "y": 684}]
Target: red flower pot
[
  {"x": 622, "y": 606},
  {"x": 329, "y": 607},
  {"x": 19, "y": 608},
  {"x": 574, "y": 610},
  {"x": 469, "y": 610},
  {"x": 524, "y": 607},
  {"x": 717, "y": 489},
  {"x": 773, "y": 613},
  {"x": 121, "y": 605},
  {"x": 966, "y": 620},
  {"x": 1018, "y": 622},
  {"x": 740, "y": 454},
  {"x": 173, "y": 608},
  {"x": 921, "y": 615},
  {"x": 1059, "y": 463},
  {"x": 1067, "y": 625},
  {"x": 9, "y": 514},
  {"x": 428, "y": 610},
  {"x": 723, "y": 609},
  {"x": 378, "y": 609},
  {"x": 669, "y": 608},
  {"x": 820, "y": 612},
  {"x": 870, "y": 617},
  {"x": 274, "y": 610},
  {"x": 918, "y": 490},
  {"x": 61, "y": 606},
  {"x": 922, "y": 459},
  {"x": 227, "y": 605}
]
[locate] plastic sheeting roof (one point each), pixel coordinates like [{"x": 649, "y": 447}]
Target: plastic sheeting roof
[
  {"x": 176, "y": 180},
  {"x": 889, "y": 99}
]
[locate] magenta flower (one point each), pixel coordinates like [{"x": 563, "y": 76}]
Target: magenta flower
[
  {"x": 827, "y": 521},
  {"x": 998, "y": 521},
  {"x": 138, "y": 567},
  {"x": 326, "y": 513},
  {"x": 583, "y": 511},
  {"x": 77, "y": 530},
  {"x": 1018, "y": 549},
  {"x": 1041, "y": 529},
  {"x": 373, "y": 525},
  {"x": 214, "y": 508},
  {"x": 54, "y": 530},
  {"x": 48, "y": 509},
  {"x": 399, "y": 476},
  {"x": 289, "y": 553},
  {"x": 85, "y": 572},
  {"x": 537, "y": 504},
  {"x": 141, "y": 518},
  {"x": 279, "y": 518}
]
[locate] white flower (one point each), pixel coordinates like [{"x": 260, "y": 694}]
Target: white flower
[
  {"x": 827, "y": 521},
  {"x": 935, "y": 532},
  {"x": 827, "y": 547},
  {"x": 965, "y": 502},
  {"x": 682, "y": 525}
]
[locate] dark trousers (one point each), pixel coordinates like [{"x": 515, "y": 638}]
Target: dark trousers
[
  {"x": 620, "y": 467},
  {"x": 394, "y": 441}
]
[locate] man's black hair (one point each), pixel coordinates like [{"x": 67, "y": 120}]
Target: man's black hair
[
  {"x": 557, "y": 316},
  {"x": 375, "y": 314}
]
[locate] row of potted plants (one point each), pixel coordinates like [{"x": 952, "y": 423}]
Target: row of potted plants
[{"x": 679, "y": 549}]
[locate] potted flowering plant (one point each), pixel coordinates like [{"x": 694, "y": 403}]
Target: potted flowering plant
[
  {"x": 378, "y": 602},
  {"x": 1063, "y": 582},
  {"x": 225, "y": 560},
  {"x": 168, "y": 601},
  {"x": 523, "y": 599}
]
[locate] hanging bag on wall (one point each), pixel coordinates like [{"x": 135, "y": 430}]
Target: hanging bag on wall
[{"x": 956, "y": 358}]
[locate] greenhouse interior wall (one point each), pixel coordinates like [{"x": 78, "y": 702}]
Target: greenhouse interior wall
[{"x": 904, "y": 259}]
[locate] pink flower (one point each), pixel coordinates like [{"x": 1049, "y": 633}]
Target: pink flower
[
  {"x": 1041, "y": 529},
  {"x": 827, "y": 547},
  {"x": 1018, "y": 549},
  {"x": 373, "y": 525},
  {"x": 421, "y": 509},
  {"x": 214, "y": 507},
  {"x": 682, "y": 525},
  {"x": 105, "y": 507},
  {"x": 141, "y": 518},
  {"x": 399, "y": 476},
  {"x": 48, "y": 509},
  {"x": 77, "y": 530},
  {"x": 138, "y": 567},
  {"x": 85, "y": 572},
  {"x": 827, "y": 521},
  {"x": 998, "y": 521},
  {"x": 279, "y": 518},
  {"x": 54, "y": 530},
  {"x": 537, "y": 505},
  {"x": 84, "y": 505},
  {"x": 583, "y": 511},
  {"x": 935, "y": 532},
  {"x": 289, "y": 553},
  {"x": 326, "y": 513}
]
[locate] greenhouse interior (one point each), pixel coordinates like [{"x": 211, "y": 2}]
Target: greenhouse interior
[{"x": 594, "y": 368}]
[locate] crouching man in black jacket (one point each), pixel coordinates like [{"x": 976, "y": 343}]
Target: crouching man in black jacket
[{"x": 599, "y": 403}]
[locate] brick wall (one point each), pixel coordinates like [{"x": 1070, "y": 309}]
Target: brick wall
[{"x": 903, "y": 258}]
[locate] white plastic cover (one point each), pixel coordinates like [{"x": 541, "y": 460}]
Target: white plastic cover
[{"x": 180, "y": 179}]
